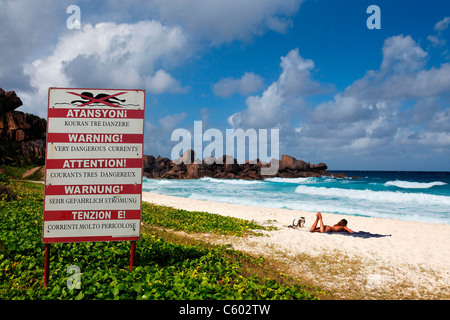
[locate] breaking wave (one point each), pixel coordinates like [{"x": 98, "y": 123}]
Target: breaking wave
[{"x": 414, "y": 185}]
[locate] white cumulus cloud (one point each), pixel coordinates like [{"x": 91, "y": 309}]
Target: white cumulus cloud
[
  {"x": 247, "y": 84},
  {"x": 271, "y": 108},
  {"x": 110, "y": 55},
  {"x": 372, "y": 116},
  {"x": 394, "y": 112},
  {"x": 219, "y": 21},
  {"x": 163, "y": 82}
]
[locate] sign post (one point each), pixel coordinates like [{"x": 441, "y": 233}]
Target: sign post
[{"x": 93, "y": 180}]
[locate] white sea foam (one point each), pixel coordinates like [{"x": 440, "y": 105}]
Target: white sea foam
[
  {"x": 308, "y": 180},
  {"x": 164, "y": 181},
  {"x": 414, "y": 185},
  {"x": 231, "y": 181},
  {"x": 291, "y": 180},
  {"x": 377, "y": 196}
]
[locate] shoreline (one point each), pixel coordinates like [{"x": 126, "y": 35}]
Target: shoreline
[{"x": 388, "y": 252}]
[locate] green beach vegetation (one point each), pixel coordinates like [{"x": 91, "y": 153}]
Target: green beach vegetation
[{"x": 167, "y": 266}]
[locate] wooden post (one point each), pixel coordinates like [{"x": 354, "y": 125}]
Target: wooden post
[{"x": 46, "y": 263}]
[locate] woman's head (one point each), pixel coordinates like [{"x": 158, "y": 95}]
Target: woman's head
[{"x": 342, "y": 223}]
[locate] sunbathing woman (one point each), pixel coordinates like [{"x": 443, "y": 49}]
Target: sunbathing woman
[{"x": 341, "y": 226}]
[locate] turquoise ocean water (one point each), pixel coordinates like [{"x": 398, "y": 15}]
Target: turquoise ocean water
[{"x": 413, "y": 196}]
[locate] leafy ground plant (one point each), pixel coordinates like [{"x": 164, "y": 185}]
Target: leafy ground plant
[
  {"x": 164, "y": 269},
  {"x": 193, "y": 221}
]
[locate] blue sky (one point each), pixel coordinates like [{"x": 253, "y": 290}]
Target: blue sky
[{"x": 337, "y": 92}]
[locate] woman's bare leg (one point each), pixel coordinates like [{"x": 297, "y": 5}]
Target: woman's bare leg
[
  {"x": 313, "y": 227},
  {"x": 322, "y": 229}
]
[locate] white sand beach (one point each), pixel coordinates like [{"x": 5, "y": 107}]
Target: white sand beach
[{"x": 410, "y": 258}]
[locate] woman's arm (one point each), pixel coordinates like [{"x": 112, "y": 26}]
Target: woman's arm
[{"x": 348, "y": 230}]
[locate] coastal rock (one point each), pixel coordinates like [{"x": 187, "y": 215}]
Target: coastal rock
[
  {"x": 210, "y": 164},
  {"x": 179, "y": 167},
  {"x": 33, "y": 148},
  {"x": 148, "y": 161},
  {"x": 230, "y": 164},
  {"x": 227, "y": 167},
  {"x": 225, "y": 175},
  {"x": 22, "y": 136},
  {"x": 170, "y": 175},
  {"x": 288, "y": 162},
  {"x": 9, "y": 101},
  {"x": 250, "y": 170},
  {"x": 187, "y": 157},
  {"x": 192, "y": 171},
  {"x": 319, "y": 166},
  {"x": 250, "y": 176},
  {"x": 340, "y": 176},
  {"x": 163, "y": 163}
]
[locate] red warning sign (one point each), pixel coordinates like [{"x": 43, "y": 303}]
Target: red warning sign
[{"x": 93, "y": 181}]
